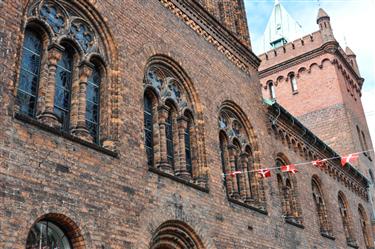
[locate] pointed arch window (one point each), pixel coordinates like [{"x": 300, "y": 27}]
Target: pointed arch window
[
  {"x": 92, "y": 103},
  {"x": 346, "y": 220},
  {"x": 30, "y": 73},
  {"x": 148, "y": 129},
  {"x": 169, "y": 137},
  {"x": 288, "y": 195},
  {"x": 321, "y": 209},
  {"x": 171, "y": 129},
  {"x": 63, "y": 86},
  {"x": 189, "y": 162},
  {"x": 241, "y": 182},
  {"x": 364, "y": 226}
]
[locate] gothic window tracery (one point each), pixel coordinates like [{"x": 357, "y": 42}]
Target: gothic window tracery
[
  {"x": 171, "y": 124},
  {"x": 287, "y": 183},
  {"x": 346, "y": 219},
  {"x": 237, "y": 156},
  {"x": 68, "y": 96},
  {"x": 321, "y": 209},
  {"x": 364, "y": 226}
]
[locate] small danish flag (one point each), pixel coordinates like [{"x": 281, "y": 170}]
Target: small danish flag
[
  {"x": 264, "y": 173},
  {"x": 319, "y": 163},
  {"x": 234, "y": 173},
  {"x": 348, "y": 159},
  {"x": 289, "y": 168}
]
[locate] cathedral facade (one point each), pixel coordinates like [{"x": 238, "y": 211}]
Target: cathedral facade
[{"x": 141, "y": 124}]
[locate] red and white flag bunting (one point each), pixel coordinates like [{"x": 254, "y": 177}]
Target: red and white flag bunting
[
  {"x": 319, "y": 163},
  {"x": 234, "y": 173},
  {"x": 348, "y": 159},
  {"x": 289, "y": 168},
  {"x": 264, "y": 173}
]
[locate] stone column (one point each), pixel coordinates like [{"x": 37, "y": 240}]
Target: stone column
[
  {"x": 163, "y": 164},
  {"x": 78, "y": 111},
  {"x": 245, "y": 184},
  {"x": 181, "y": 169},
  {"x": 232, "y": 166},
  {"x": 48, "y": 116}
]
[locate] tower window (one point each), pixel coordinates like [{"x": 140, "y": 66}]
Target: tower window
[
  {"x": 293, "y": 82},
  {"x": 272, "y": 91},
  {"x": 92, "y": 104}
]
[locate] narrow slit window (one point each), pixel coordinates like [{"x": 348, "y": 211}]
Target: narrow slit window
[
  {"x": 92, "y": 104},
  {"x": 63, "y": 87},
  {"x": 29, "y": 75},
  {"x": 169, "y": 137},
  {"x": 148, "y": 126},
  {"x": 188, "y": 149}
]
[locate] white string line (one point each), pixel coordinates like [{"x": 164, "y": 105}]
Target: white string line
[{"x": 297, "y": 164}]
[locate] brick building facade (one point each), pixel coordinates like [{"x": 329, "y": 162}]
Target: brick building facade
[{"x": 119, "y": 118}]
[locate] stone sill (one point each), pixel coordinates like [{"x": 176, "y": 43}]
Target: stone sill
[
  {"x": 291, "y": 222},
  {"x": 328, "y": 236},
  {"x": 178, "y": 179},
  {"x": 247, "y": 206},
  {"x": 58, "y": 132}
]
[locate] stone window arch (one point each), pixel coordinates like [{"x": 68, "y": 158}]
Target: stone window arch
[
  {"x": 172, "y": 133},
  {"x": 60, "y": 82},
  {"x": 55, "y": 231},
  {"x": 237, "y": 151},
  {"x": 287, "y": 184},
  {"x": 175, "y": 234},
  {"x": 321, "y": 208},
  {"x": 363, "y": 221},
  {"x": 346, "y": 218}
]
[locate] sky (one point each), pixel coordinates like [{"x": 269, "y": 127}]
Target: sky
[{"x": 353, "y": 24}]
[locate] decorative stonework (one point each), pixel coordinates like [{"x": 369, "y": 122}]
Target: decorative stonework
[
  {"x": 213, "y": 36},
  {"x": 313, "y": 149}
]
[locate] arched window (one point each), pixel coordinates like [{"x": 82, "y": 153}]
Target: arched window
[
  {"x": 288, "y": 194},
  {"x": 69, "y": 94},
  {"x": 63, "y": 87},
  {"x": 149, "y": 130},
  {"x": 30, "y": 70},
  {"x": 173, "y": 145},
  {"x": 293, "y": 83},
  {"x": 169, "y": 138},
  {"x": 46, "y": 234},
  {"x": 364, "y": 225},
  {"x": 189, "y": 161},
  {"x": 240, "y": 179},
  {"x": 346, "y": 219},
  {"x": 321, "y": 209},
  {"x": 93, "y": 103},
  {"x": 272, "y": 91}
]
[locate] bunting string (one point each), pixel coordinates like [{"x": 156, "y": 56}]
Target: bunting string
[{"x": 266, "y": 172}]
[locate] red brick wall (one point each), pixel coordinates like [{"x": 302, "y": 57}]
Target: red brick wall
[{"x": 117, "y": 202}]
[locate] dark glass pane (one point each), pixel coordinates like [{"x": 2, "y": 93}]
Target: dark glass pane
[
  {"x": 29, "y": 76},
  {"x": 27, "y": 103},
  {"x": 92, "y": 112},
  {"x": 92, "y": 103},
  {"x": 30, "y": 61},
  {"x": 63, "y": 87},
  {"x": 52, "y": 16},
  {"x": 188, "y": 150},
  {"x": 45, "y": 235},
  {"x": 28, "y": 82},
  {"x": 169, "y": 137},
  {"x": 148, "y": 127}
]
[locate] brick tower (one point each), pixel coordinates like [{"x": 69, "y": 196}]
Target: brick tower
[
  {"x": 230, "y": 14},
  {"x": 319, "y": 82}
]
